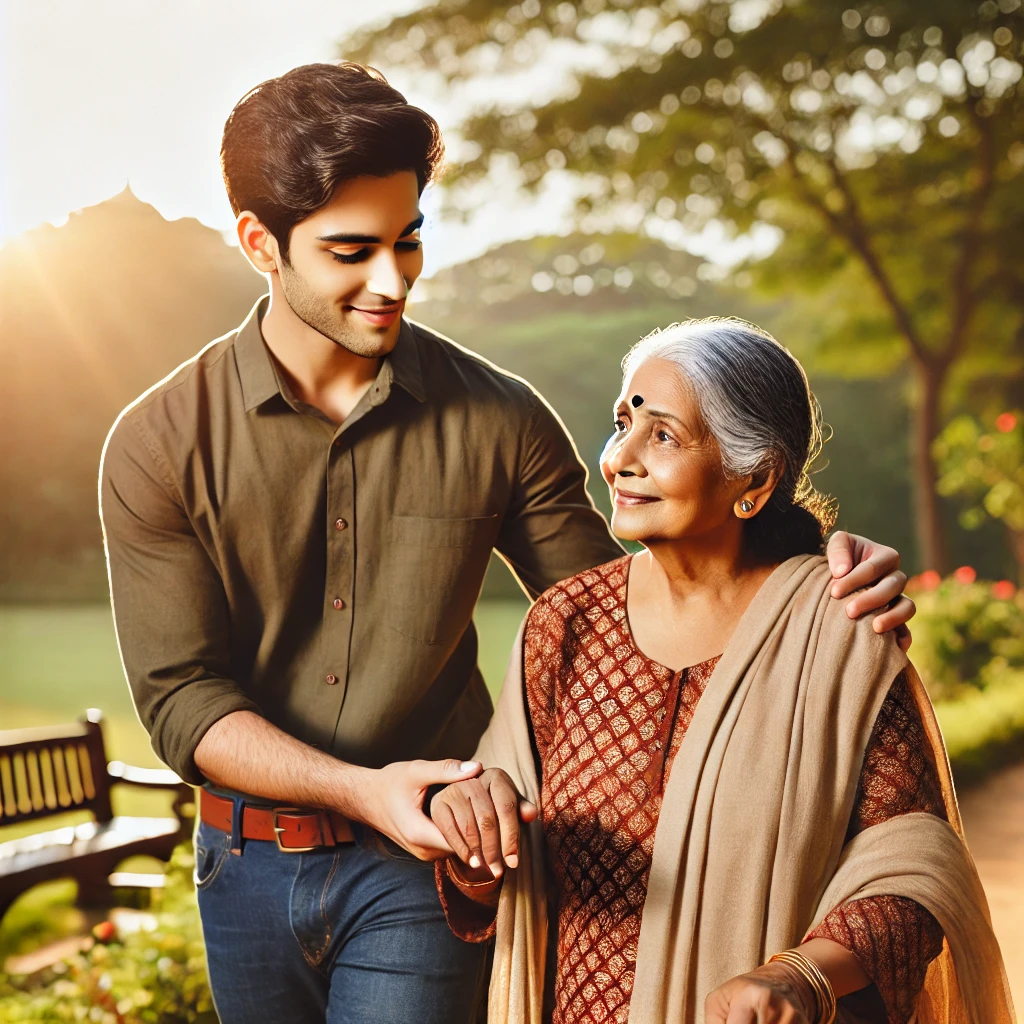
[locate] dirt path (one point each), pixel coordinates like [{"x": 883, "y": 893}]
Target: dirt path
[{"x": 993, "y": 816}]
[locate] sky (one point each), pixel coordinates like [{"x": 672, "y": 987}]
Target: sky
[{"x": 96, "y": 95}]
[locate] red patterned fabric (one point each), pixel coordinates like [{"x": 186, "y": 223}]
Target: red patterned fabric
[
  {"x": 607, "y": 723},
  {"x": 603, "y": 718}
]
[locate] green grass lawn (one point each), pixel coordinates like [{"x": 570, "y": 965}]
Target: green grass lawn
[
  {"x": 497, "y": 623},
  {"x": 57, "y": 661}
]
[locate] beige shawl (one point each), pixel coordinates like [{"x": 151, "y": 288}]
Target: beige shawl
[{"x": 749, "y": 853}]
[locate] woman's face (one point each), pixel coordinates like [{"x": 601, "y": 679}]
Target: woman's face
[{"x": 662, "y": 465}]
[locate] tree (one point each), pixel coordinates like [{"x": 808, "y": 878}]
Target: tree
[{"x": 882, "y": 142}]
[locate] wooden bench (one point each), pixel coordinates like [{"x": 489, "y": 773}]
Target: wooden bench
[{"x": 50, "y": 771}]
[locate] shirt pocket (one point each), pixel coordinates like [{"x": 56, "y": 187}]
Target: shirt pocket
[{"x": 438, "y": 569}]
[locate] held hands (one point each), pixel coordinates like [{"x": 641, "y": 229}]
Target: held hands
[
  {"x": 858, "y": 562},
  {"x": 392, "y": 802},
  {"x": 479, "y": 818},
  {"x": 773, "y": 994}
]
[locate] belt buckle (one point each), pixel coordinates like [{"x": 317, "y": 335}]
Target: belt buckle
[{"x": 278, "y": 830}]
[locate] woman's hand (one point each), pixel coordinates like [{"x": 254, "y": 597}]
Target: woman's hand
[
  {"x": 857, "y": 562},
  {"x": 391, "y": 800},
  {"x": 479, "y": 818},
  {"x": 773, "y": 994}
]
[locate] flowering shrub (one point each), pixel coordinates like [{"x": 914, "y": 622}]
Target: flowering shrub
[
  {"x": 967, "y": 633},
  {"x": 985, "y": 465},
  {"x": 154, "y": 977}
]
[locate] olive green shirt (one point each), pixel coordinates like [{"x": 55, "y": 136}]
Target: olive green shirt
[{"x": 263, "y": 558}]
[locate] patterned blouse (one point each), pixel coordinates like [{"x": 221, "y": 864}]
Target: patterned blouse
[{"x": 607, "y": 723}]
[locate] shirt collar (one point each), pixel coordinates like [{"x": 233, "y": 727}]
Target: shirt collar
[
  {"x": 255, "y": 369},
  {"x": 406, "y": 367},
  {"x": 260, "y": 381}
]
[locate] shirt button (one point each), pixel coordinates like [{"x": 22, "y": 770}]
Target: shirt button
[
  {"x": 338, "y": 603},
  {"x": 331, "y": 679},
  {"x": 340, "y": 524}
]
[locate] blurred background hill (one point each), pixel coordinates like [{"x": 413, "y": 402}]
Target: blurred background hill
[{"x": 91, "y": 314}]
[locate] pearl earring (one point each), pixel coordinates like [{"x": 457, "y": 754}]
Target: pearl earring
[{"x": 746, "y": 505}]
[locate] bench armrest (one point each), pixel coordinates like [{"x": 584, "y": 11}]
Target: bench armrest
[
  {"x": 152, "y": 778},
  {"x": 157, "y": 778}
]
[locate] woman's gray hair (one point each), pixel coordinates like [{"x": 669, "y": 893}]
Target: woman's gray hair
[{"x": 755, "y": 401}]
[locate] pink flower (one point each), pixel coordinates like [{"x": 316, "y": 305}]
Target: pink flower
[
  {"x": 928, "y": 580},
  {"x": 1003, "y": 590},
  {"x": 1006, "y": 422},
  {"x": 965, "y": 574}
]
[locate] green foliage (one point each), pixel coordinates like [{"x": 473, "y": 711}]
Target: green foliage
[
  {"x": 967, "y": 633},
  {"x": 984, "y": 729},
  {"x": 150, "y": 977},
  {"x": 855, "y": 130},
  {"x": 985, "y": 466},
  {"x": 546, "y": 276},
  {"x": 45, "y": 914},
  {"x": 881, "y": 143}
]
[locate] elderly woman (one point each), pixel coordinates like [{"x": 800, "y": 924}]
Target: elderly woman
[{"x": 737, "y": 806}]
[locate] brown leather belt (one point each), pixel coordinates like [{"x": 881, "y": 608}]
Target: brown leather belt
[{"x": 294, "y": 829}]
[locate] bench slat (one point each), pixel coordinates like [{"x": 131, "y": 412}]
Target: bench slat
[{"x": 45, "y": 772}]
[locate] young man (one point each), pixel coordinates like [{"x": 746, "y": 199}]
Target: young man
[{"x": 297, "y": 523}]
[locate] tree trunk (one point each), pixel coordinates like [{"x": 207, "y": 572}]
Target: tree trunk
[{"x": 931, "y": 539}]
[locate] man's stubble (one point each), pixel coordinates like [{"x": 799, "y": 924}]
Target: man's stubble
[{"x": 316, "y": 311}]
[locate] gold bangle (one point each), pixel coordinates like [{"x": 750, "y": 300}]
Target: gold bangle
[
  {"x": 820, "y": 984},
  {"x": 461, "y": 883},
  {"x": 815, "y": 977},
  {"x": 800, "y": 965}
]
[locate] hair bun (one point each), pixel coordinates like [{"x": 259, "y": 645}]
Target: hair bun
[{"x": 783, "y": 529}]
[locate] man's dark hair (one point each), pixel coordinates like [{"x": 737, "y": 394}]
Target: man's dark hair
[{"x": 291, "y": 141}]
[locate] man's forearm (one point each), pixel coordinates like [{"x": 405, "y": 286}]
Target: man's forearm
[{"x": 246, "y": 752}]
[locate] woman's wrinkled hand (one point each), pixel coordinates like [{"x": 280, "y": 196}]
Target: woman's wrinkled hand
[
  {"x": 773, "y": 994},
  {"x": 479, "y": 818}
]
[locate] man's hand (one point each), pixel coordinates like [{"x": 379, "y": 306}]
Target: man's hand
[
  {"x": 244, "y": 751},
  {"x": 858, "y": 562},
  {"x": 479, "y": 818},
  {"x": 392, "y": 802},
  {"x": 773, "y": 994}
]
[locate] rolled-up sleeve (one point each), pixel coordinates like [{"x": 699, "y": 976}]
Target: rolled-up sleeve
[
  {"x": 170, "y": 609},
  {"x": 553, "y": 531}
]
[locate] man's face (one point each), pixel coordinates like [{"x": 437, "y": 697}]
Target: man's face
[{"x": 352, "y": 263}]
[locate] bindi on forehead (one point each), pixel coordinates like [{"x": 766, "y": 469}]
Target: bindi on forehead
[{"x": 636, "y": 401}]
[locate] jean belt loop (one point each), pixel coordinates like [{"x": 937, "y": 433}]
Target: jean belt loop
[{"x": 237, "y": 811}]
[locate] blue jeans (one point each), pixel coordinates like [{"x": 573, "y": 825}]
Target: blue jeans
[{"x": 348, "y": 935}]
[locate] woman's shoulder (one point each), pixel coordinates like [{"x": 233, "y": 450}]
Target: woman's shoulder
[
  {"x": 806, "y": 581},
  {"x": 798, "y": 596},
  {"x": 602, "y": 585}
]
